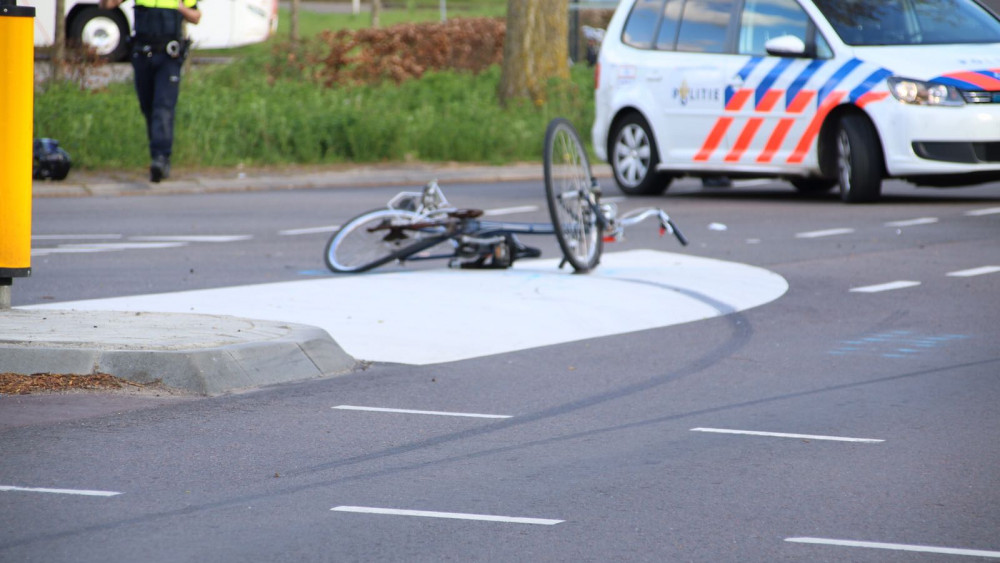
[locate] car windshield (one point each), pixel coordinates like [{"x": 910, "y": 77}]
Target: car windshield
[{"x": 910, "y": 22}]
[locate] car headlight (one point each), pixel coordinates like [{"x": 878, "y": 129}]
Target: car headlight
[{"x": 924, "y": 93}]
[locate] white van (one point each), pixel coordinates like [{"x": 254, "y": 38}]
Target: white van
[
  {"x": 820, "y": 92},
  {"x": 224, "y": 23}
]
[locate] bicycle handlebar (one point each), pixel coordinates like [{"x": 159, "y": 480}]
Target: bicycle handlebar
[{"x": 639, "y": 215}]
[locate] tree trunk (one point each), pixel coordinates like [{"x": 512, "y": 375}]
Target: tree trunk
[
  {"x": 294, "y": 21},
  {"x": 59, "y": 47},
  {"x": 376, "y": 12},
  {"x": 535, "y": 49}
]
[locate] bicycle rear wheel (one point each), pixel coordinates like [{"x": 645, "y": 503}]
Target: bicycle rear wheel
[
  {"x": 572, "y": 203},
  {"x": 364, "y": 242}
]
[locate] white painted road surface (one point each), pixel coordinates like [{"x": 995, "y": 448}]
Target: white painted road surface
[{"x": 441, "y": 315}]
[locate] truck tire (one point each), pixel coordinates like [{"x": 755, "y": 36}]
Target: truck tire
[{"x": 105, "y": 31}]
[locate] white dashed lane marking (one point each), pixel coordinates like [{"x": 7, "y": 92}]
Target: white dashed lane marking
[
  {"x": 897, "y": 547},
  {"x": 893, "y": 224},
  {"x": 913, "y": 222},
  {"x": 81, "y": 492},
  {"x": 334, "y": 228},
  {"x": 510, "y": 210},
  {"x": 104, "y": 247},
  {"x": 902, "y": 284},
  {"x": 144, "y": 242},
  {"x": 76, "y": 237},
  {"x": 786, "y": 435},
  {"x": 451, "y": 515},
  {"x": 825, "y": 233},
  {"x": 193, "y": 238},
  {"x": 409, "y": 411},
  {"x": 975, "y": 271},
  {"x": 309, "y": 230},
  {"x": 980, "y": 212}
]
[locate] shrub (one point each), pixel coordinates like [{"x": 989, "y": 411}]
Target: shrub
[{"x": 405, "y": 51}]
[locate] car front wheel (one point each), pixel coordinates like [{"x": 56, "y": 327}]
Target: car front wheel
[
  {"x": 634, "y": 158},
  {"x": 859, "y": 160}
]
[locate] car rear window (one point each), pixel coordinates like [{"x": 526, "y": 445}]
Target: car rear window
[{"x": 910, "y": 22}]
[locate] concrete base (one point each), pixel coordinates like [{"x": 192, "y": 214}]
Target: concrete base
[{"x": 204, "y": 354}]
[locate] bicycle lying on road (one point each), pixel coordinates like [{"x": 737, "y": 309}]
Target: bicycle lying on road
[{"x": 425, "y": 226}]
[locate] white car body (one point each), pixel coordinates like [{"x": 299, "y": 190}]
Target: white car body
[{"x": 764, "y": 115}]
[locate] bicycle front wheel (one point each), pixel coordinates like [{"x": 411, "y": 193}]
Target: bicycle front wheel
[
  {"x": 366, "y": 241},
  {"x": 572, "y": 203}
]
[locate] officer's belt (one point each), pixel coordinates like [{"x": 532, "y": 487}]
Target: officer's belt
[{"x": 169, "y": 45}]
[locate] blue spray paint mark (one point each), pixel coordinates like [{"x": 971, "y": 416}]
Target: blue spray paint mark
[{"x": 896, "y": 344}]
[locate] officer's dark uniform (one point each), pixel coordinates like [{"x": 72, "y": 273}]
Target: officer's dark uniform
[{"x": 158, "y": 52}]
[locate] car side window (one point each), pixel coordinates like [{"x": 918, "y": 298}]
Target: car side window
[
  {"x": 705, "y": 26},
  {"x": 640, "y": 28},
  {"x": 667, "y": 35},
  {"x": 763, "y": 20}
]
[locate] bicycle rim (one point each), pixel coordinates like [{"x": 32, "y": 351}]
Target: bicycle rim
[
  {"x": 360, "y": 245},
  {"x": 568, "y": 188}
]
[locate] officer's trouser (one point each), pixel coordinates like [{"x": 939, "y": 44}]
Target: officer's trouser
[{"x": 157, "y": 84}]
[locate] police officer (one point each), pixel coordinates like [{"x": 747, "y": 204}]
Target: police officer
[{"x": 158, "y": 50}]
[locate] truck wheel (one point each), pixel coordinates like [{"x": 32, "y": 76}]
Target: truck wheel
[
  {"x": 859, "y": 160},
  {"x": 105, "y": 31},
  {"x": 634, "y": 158}
]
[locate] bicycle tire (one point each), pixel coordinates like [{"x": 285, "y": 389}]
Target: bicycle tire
[
  {"x": 354, "y": 248},
  {"x": 568, "y": 189}
]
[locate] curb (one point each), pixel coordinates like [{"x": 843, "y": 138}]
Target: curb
[
  {"x": 361, "y": 176},
  {"x": 205, "y": 354}
]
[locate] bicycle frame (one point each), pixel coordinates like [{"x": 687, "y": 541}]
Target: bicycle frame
[
  {"x": 434, "y": 209},
  {"x": 413, "y": 223}
]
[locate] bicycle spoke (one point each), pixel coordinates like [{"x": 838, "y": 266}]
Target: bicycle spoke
[
  {"x": 571, "y": 201},
  {"x": 371, "y": 239}
]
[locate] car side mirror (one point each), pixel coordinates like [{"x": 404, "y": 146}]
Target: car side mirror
[{"x": 785, "y": 46}]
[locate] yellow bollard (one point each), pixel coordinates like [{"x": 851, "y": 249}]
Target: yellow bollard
[{"x": 17, "y": 59}]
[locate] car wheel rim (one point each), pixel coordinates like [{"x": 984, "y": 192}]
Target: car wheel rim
[
  {"x": 632, "y": 153},
  {"x": 844, "y": 161}
]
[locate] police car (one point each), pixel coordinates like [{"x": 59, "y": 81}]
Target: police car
[{"x": 823, "y": 93}]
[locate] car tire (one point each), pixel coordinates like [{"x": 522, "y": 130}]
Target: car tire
[
  {"x": 106, "y": 31},
  {"x": 859, "y": 160},
  {"x": 813, "y": 184},
  {"x": 634, "y": 158}
]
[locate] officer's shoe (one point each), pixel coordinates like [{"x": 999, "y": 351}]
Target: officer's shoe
[{"x": 159, "y": 169}]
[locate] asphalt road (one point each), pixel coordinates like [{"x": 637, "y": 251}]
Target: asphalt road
[{"x": 874, "y": 379}]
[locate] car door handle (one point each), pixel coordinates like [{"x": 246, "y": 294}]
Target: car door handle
[
  {"x": 654, "y": 77},
  {"x": 736, "y": 81}
]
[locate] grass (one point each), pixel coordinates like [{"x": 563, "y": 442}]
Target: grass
[
  {"x": 233, "y": 116},
  {"x": 237, "y": 114}
]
